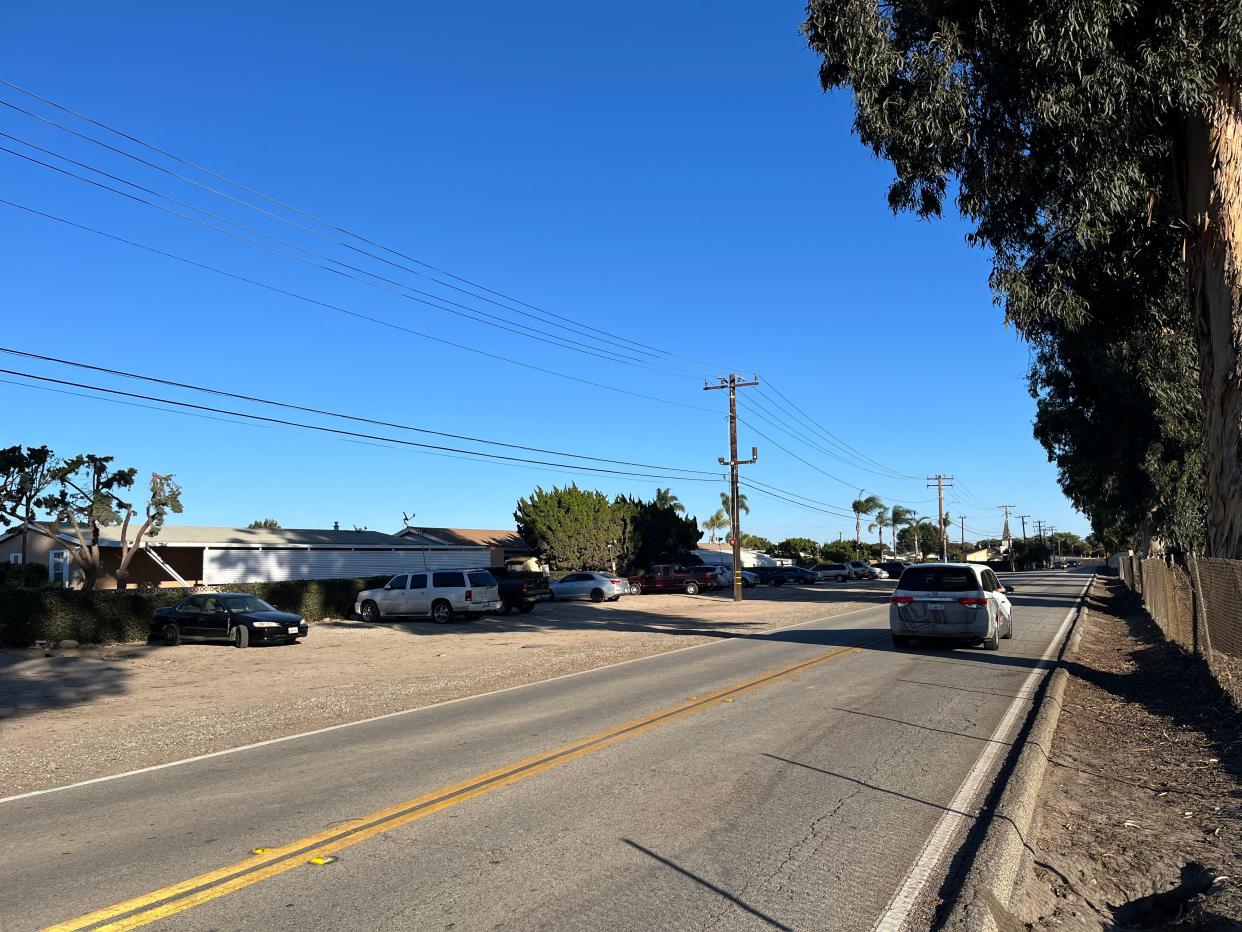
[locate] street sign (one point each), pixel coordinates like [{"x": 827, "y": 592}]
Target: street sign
[{"x": 732, "y": 541}]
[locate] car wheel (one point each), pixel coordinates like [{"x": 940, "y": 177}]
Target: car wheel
[
  {"x": 441, "y": 612},
  {"x": 692, "y": 588},
  {"x": 527, "y": 608},
  {"x": 597, "y": 595},
  {"x": 504, "y": 609},
  {"x": 1008, "y": 628},
  {"x": 993, "y": 642},
  {"x": 172, "y": 635},
  {"x": 370, "y": 612},
  {"x": 840, "y": 579},
  {"x": 635, "y": 589},
  {"x": 901, "y": 640},
  {"x": 241, "y": 636}
]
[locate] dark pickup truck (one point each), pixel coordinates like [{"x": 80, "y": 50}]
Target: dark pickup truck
[
  {"x": 522, "y": 592},
  {"x": 671, "y": 577}
]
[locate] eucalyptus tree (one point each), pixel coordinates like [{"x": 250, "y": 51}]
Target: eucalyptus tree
[{"x": 1071, "y": 122}]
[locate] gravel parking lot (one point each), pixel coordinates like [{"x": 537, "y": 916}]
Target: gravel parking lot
[{"x": 93, "y": 711}]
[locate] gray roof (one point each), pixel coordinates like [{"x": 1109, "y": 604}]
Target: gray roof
[{"x": 173, "y": 535}]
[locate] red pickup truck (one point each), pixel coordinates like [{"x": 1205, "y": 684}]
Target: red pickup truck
[{"x": 671, "y": 577}]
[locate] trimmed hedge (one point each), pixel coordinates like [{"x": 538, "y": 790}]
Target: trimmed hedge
[
  {"x": 50, "y": 614},
  {"x": 13, "y": 575}
]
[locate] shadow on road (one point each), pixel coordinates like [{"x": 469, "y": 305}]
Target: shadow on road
[{"x": 690, "y": 875}]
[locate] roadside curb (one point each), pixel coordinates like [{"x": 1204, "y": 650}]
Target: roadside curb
[{"x": 983, "y": 902}]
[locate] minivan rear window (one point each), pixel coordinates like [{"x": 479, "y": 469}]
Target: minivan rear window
[
  {"x": 938, "y": 579},
  {"x": 448, "y": 580},
  {"x": 482, "y": 578}
]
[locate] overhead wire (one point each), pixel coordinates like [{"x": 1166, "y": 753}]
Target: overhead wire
[
  {"x": 396, "y": 289},
  {"x": 343, "y": 310},
  {"x": 833, "y": 437},
  {"x": 651, "y": 350},
  {"x": 335, "y": 414},
  {"x": 502, "y": 322},
  {"x": 260, "y": 418}
]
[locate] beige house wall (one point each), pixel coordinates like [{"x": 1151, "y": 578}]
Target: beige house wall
[{"x": 143, "y": 571}]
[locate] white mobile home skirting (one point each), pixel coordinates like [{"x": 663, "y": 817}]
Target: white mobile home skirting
[{"x": 226, "y": 565}]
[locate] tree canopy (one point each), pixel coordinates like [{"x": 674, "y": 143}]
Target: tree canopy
[{"x": 1094, "y": 146}]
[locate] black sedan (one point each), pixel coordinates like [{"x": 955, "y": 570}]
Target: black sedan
[{"x": 226, "y": 616}]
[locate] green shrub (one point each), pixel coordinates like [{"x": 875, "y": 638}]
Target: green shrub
[
  {"x": 29, "y": 575},
  {"x": 47, "y": 613}
]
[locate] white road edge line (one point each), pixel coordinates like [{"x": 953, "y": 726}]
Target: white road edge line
[
  {"x": 421, "y": 708},
  {"x": 952, "y": 819}
]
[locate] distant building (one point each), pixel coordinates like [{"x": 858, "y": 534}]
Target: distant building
[
  {"x": 182, "y": 555},
  {"x": 723, "y": 553},
  {"x": 502, "y": 545}
]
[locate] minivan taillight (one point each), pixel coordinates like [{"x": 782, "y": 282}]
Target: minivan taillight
[
  {"x": 974, "y": 602},
  {"x": 901, "y": 599},
  {"x": 469, "y": 595}
]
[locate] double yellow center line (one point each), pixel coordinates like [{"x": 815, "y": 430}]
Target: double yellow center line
[{"x": 320, "y": 847}]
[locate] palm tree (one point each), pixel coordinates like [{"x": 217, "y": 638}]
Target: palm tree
[
  {"x": 664, "y": 498},
  {"x": 726, "y": 502},
  {"x": 901, "y": 516},
  {"x": 726, "y": 505},
  {"x": 717, "y": 522},
  {"x": 882, "y": 520},
  {"x": 863, "y": 506}
]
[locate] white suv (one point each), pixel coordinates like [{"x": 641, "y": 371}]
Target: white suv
[{"x": 442, "y": 594}]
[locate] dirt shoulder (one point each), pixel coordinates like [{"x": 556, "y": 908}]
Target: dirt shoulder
[
  {"x": 1141, "y": 807},
  {"x": 89, "y": 712}
]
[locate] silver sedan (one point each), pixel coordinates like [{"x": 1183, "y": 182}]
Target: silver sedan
[{"x": 597, "y": 587}]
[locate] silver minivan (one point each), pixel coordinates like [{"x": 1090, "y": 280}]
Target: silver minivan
[
  {"x": 960, "y": 601},
  {"x": 442, "y": 594}
]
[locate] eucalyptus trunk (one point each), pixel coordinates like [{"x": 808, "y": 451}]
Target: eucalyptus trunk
[{"x": 1212, "y": 179}]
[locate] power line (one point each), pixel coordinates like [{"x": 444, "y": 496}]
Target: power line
[
  {"x": 569, "y": 343},
  {"x": 834, "y": 438},
  {"x": 341, "y": 432},
  {"x": 356, "y": 314},
  {"x": 325, "y": 223},
  {"x": 336, "y": 414},
  {"x": 386, "y": 285}
]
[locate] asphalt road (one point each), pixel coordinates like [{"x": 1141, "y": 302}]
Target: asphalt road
[{"x": 649, "y": 795}]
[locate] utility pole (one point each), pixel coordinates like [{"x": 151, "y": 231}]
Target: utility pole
[
  {"x": 733, "y": 383},
  {"x": 1023, "y": 518},
  {"x": 942, "y": 483},
  {"x": 1056, "y": 548},
  {"x": 961, "y": 520}
]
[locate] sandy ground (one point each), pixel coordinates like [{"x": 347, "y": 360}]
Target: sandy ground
[
  {"x": 1141, "y": 810},
  {"x": 89, "y": 712}
]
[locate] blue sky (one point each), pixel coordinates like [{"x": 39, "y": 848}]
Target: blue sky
[{"x": 673, "y": 176}]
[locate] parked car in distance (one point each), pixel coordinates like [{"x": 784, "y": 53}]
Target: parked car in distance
[
  {"x": 1073, "y": 563},
  {"x": 860, "y": 569},
  {"x": 951, "y": 600},
  {"x": 226, "y": 616},
  {"x": 522, "y": 592},
  {"x": 894, "y": 568},
  {"x": 1058, "y": 565},
  {"x": 708, "y": 575},
  {"x": 440, "y": 594},
  {"x": 597, "y": 587},
  {"x": 724, "y": 576},
  {"x": 876, "y": 572},
  {"x": 838, "y": 572},
  {"x": 796, "y": 575},
  {"x": 667, "y": 577}
]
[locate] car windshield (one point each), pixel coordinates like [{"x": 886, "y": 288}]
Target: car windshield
[
  {"x": 938, "y": 579},
  {"x": 247, "y": 603}
]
